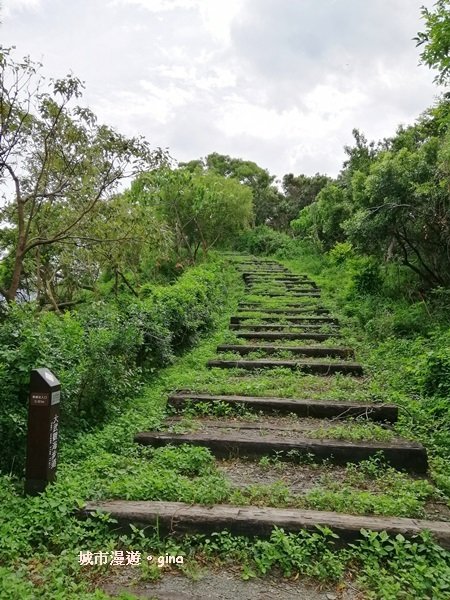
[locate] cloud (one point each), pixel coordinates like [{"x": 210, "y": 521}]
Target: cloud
[
  {"x": 279, "y": 82},
  {"x": 15, "y": 6}
]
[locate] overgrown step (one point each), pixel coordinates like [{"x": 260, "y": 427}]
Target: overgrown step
[
  {"x": 245, "y": 269},
  {"x": 282, "y": 281},
  {"x": 263, "y": 304},
  {"x": 321, "y": 409},
  {"x": 284, "y": 311},
  {"x": 181, "y": 518},
  {"x": 279, "y": 280},
  {"x": 277, "y": 326},
  {"x": 319, "y": 368},
  {"x": 320, "y": 351},
  {"x": 282, "y": 335},
  {"x": 233, "y": 439},
  {"x": 262, "y": 268},
  {"x": 274, "y": 275},
  {"x": 323, "y": 320},
  {"x": 305, "y": 294},
  {"x": 285, "y": 287}
]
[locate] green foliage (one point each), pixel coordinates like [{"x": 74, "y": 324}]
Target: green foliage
[
  {"x": 401, "y": 568},
  {"x": 436, "y": 40},
  {"x": 340, "y": 252},
  {"x": 435, "y": 375},
  {"x": 391, "y": 201},
  {"x": 266, "y": 197},
  {"x": 308, "y": 553},
  {"x": 99, "y": 352},
  {"x": 202, "y": 209},
  {"x": 58, "y": 169},
  {"x": 366, "y": 277},
  {"x": 264, "y": 240},
  {"x": 299, "y": 192}
]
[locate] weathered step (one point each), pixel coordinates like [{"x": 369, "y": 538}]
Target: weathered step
[
  {"x": 254, "y": 305},
  {"x": 319, "y": 409},
  {"x": 278, "y": 280},
  {"x": 320, "y": 368},
  {"x": 182, "y": 518},
  {"x": 320, "y": 351},
  {"x": 306, "y": 319},
  {"x": 289, "y": 287},
  {"x": 276, "y": 326},
  {"x": 305, "y": 294},
  {"x": 285, "y": 311},
  {"x": 261, "y": 267},
  {"x": 245, "y": 269},
  {"x": 288, "y": 445},
  {"x": 274, "y": 275},
  {"x": 282, "y": 335}
]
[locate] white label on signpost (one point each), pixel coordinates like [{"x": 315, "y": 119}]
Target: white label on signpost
[{"x": 56, "y": 397}]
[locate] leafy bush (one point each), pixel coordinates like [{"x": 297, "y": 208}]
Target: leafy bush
[
  {"x": 264, "y": 240},
  {"x": 340, "y": 252},
  {"x": 99, "y": 352},
  {"x": 436, "y": 373},
  {"x": 366, "y": 277}
]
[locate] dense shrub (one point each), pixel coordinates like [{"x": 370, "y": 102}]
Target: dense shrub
[
  {"x": 366, "y": 277},
  {"x": 436, "y": 373},
  {"x": 264, "y": 240},
  {"x": 98, "y": 352},
  {"x": 340, "y": 252}
]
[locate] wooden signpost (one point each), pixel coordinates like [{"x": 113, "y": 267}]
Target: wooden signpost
[{"x": 43, "y": 427}]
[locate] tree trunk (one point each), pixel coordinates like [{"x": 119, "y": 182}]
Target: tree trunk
[{"x": 17, "y": 272}]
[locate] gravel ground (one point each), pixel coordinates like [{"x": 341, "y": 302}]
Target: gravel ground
[{"x": 223, "y": 585}]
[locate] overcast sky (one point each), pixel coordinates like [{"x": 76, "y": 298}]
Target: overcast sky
[{"x": 279, "y": 82}]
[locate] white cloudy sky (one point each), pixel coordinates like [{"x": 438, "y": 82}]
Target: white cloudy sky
[{"x": 279, "y": 82}]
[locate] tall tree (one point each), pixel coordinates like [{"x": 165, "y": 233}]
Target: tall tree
[
  {"x": 266, "y": 197},
  {"x": 201, "y": 208},
  {"x": 299, "y": 192},
  {"x": 57, "y": 164},
  {"x": 436, "y": 40}
]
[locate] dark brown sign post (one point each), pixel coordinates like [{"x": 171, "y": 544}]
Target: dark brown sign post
[{"x": 43, "y": 426}]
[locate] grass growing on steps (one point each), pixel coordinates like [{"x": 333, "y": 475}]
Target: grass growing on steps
[
  {"x": 403, "y": 343},
  {"x": 41, "y": 537}
]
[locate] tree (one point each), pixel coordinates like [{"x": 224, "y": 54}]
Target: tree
[
  {"x": 299, "y": 192},
  {"x": 61, "y": 163},
  {"x": 436, "y": 40},
  {"x": 266, "y": 197},
  {"x": 322, "y": 220},
  {"x": 404, "y": 211},
  {"x": 203, "y": 209}
]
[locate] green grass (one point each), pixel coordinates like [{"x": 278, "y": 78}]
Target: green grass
[
  {"x": 354, "y": 431},
  {"x": 41, "y": 537}
]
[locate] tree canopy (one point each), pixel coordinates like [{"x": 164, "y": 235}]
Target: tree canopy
[
  {"x": 59, "y": 168},
  {"x": 435, "y": 40}
]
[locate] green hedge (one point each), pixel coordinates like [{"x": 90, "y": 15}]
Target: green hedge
[
  {"x": 100, "y": 353},
  {"x": 266, "y": 241}
]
